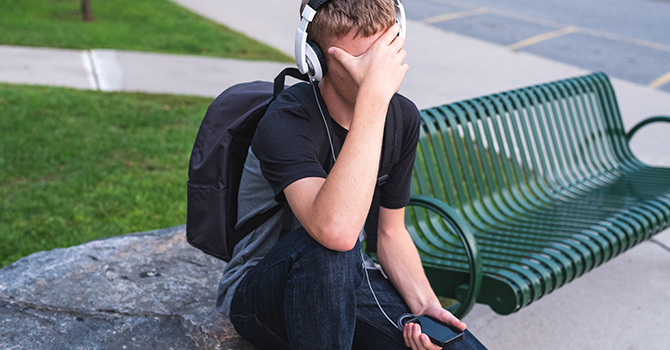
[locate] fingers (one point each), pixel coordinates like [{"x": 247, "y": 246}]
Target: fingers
[
  {"x": 411, "y": 333},
  {"x": 380, "y": 68},
  {"x": 390, "y": 37},
  {"x": 445, "y": 316},
  {"x": 426, "y": 343},
  {"x": 391, "y": 41},
  {"x": 397, "y": 44},
  {"x": 452, "y": 320},
  {"x": 417, "y": 340},
  {"x": 402, "y": 54}
]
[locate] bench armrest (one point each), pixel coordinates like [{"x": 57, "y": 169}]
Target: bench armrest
[
  {"x": 658, "y": 118},
  {"x": 462, "y": 230}
]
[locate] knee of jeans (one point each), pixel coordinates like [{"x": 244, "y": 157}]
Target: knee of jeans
[
  {"x": 334, "y": 263},
  {"x": 257, "y": 333},
  {"x": 345, "y": 259}
]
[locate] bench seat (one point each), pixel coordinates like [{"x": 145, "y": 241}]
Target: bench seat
[{"x": 518, "y": 193}]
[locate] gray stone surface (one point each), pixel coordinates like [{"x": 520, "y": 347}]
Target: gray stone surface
[{"x": 138, "y": 291}]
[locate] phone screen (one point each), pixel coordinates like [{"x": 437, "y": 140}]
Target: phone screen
[{"x": 439, "y": 332}]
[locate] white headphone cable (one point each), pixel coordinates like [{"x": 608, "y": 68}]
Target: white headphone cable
[
  {"x": 374, "y": 295},
  {"x": 367, "y": 276},
  {"x": 330, "y": 139}
]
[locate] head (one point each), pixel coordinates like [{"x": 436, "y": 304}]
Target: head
[{"x": 336, "y": 19}]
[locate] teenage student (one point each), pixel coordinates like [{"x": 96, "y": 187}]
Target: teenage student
[{"x": 314, "y": 288}]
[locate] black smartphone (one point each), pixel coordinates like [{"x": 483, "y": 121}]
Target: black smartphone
[{"x": 440, "y": 333}]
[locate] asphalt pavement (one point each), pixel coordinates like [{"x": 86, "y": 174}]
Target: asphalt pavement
[
  {"x": 620, "y": 305},
  {"x": 625, "y": 39}
]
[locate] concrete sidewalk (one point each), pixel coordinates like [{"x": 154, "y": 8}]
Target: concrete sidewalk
[
  {"x": 621, "y": 305},
  {"x": 111, "y": 70}
]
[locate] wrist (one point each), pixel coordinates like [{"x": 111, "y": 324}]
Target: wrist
[
  {"x": 371, "y": 109},
  {"x": 374, "y": 94},
  {"x": 423, "y": 306}
]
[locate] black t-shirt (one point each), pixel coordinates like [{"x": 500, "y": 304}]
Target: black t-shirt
[{"x": 291, "y": 145}]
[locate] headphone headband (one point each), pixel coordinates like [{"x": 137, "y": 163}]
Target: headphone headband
[
  {"x": 315, "y": 4},
  {"x": 307, "y": 59}
]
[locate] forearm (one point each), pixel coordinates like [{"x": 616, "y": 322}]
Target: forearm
[
  {"x": 334, "y": 210},
  {"x": 401, "y": 263},
  {"x": 348, "y": 190},
  {"x": 336, "y": 213}
]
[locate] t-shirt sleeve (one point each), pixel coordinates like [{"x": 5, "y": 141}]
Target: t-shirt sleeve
[
  {"x": 287, "y": 145},
  {"x": 396, "y": 192}
]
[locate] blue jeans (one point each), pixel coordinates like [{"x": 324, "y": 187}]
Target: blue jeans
[{"x": 305, "y": 296}]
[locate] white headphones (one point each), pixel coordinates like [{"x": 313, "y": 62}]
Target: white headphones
[{"x": 308, "y": 55}]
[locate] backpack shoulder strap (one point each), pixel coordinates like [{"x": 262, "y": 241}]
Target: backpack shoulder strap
[
  {"x": 287, "y": 215},
  {"x": 391, "y": 152},
  {"x": 305, "y": 94},
  {"x": 393, "y": 131}
]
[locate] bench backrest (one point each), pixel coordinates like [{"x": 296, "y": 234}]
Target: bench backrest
[{"x": 535, "y": 143}]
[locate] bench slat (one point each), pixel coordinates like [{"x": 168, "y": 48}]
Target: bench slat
[{"x": 544, "y": 179}]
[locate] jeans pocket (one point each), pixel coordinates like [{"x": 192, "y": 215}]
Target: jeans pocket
[{"x": 257, "y": 333}]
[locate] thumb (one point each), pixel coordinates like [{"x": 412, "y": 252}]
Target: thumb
[
  {"x": 340, "y": 55},
  {"x": 458, "y": 323}
]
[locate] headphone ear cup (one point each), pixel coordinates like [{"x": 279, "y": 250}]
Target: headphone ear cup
[{"x": 317, "y": 60}]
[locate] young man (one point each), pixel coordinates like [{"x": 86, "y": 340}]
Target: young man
[{"x": 309, "y": 289}]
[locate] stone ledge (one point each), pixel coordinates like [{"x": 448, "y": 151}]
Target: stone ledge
[{"x": 137, "y": 291}]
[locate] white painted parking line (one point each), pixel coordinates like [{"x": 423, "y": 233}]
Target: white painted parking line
[
  {"x": 455, "y": 15},
  {"x": 662, "y": 80},
  {"x": 542, "y": 37},
  {"x": 525, "y": 18},
  {"x": 540, "y": 21},
  {"x": 624, "y": 39}
]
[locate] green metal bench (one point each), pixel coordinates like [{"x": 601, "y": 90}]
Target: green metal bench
[{"x": 518, "y": 193}]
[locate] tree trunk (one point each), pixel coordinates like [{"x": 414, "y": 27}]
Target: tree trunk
[{"x": 86, "y": 10}]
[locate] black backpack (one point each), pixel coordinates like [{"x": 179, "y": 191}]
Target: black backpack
[{"x": 220, "y": 151}]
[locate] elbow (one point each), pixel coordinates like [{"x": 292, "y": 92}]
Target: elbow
[
  {"x": 338, "y": 238},
  {"x": 344, "y": 245}
]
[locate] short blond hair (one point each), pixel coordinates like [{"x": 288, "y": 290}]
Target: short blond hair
[{"x": 338, "y": 17}]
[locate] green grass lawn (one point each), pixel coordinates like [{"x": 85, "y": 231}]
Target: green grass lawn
[
  {"x": 146, "y": 25},
  {"x": 81, "y": 165}
]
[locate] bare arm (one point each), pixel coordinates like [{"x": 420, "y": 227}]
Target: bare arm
[
  {"x": 401, "y": 263},
  {"x": 333, "y": 210}
]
